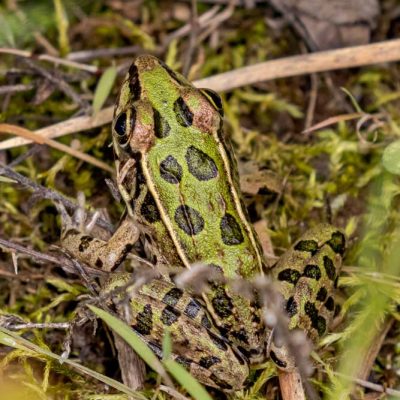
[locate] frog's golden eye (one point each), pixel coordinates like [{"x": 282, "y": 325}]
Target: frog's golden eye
[
  {"x": 124, "y": 125},
  {"x": 214, "y": 99}
]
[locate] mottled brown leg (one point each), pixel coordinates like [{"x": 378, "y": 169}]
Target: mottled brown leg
[{"x": 105, "y": 255}]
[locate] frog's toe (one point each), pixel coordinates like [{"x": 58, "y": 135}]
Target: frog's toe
[
  {"x": 66, "y": 220},
  {"x": 79, "y": 216},
  {"x": 77, "y": 221}
]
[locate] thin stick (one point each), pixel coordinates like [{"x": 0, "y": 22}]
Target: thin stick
[
  {"x": 291, "y": 386},
  {"x": 25, "y": 133},
  {"x": 55, "y": 60},
  {"x": 46, "y": 193},
  {"x": 15, "y": 88},
  {"x": 60, "y": 83},
  {"x": 102, "y": 53},
  {"x": 33, "y": 325},
  {"x": 374, "y": 349},
  {"x": 369, "y": 385},
  {"x": 63, "y": 262},
  {"x": 282, "y": 68},
  {"x": 67, "y": 127},
  {"x": 330, "y": 60}
]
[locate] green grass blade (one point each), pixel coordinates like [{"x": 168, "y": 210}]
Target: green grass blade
[
  {"x": 11, "y": 339},
  {"x": 167, "y": 345},
  {"x": 194, "y": 388},
  {"x": 391, "y": 158},
  {"x": 103, "y": 89},
  {"x": 137, "y": 344}
]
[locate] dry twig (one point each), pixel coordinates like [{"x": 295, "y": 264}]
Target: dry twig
[
  {"x": 25, "y": 133},
  {"x": 55, "y": 60},
  {"x": 46, "y": 193},
  {"x": 285, "y": 67}
]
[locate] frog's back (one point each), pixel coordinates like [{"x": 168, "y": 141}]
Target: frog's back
[{"x": 187, "y": 191}]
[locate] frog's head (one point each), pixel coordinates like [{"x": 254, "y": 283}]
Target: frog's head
[{"x": 156, "y": 102}]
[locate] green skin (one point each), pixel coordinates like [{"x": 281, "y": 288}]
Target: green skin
[
  {"x": 218, "y": 234},
  {"x": 171, "y": 155}
]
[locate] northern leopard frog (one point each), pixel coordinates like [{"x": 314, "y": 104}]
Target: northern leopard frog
[{"x": 178, "y": 178}]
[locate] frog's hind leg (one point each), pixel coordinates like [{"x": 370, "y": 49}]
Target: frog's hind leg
[{"x": 307, "y": 275}]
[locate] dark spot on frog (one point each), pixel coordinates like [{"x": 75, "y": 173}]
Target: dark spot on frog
[
  {"x": 276, "y": 360},
  {"x": 156, "y": 348},
  {"x": 317, "y": 322},
  {"x": 85, "y": 243},
  {"x": 144, "y": 321},
  {"x": 250, "y": 352},
  {"x": 169, "y": 315},
  {"x": 337, "y": 243},
  {"x": 192, "y": 309},
  {"x": 322, "y": 293},
  {"x": 71, "y": 232},
  {"x": 244, "y": 352},
  {"x": 337, "y": 310},
  {"x": 208, "y": 362},
  {"x": 255, "y": 318},
  {"x": 330, "y": 304},
  {"x": 200, "y": 165},
  {"x": 161, "y": 126},
  {"x": 310, "y": 246},
  {"x": 222, "y": 304},
  {"x": 185, "y": 362},
  {"x": 134, "y": 83},
  {"x": 336, "y": 283},
  {"x": 329, "y": 268},
  {"x": 289, "y": 275},
  {"x": 311, "y": 310},
  {"x": 99, "y": 263},
  {"x": 170, "y": 170},
  {"x": 172, "y": 73},
  {"x": 149, "y": 209},
  {"x": 189, "y": 220},
  {"x": 172, "y": 296},
  {"x": 231, "y": 233},
  {"x": 128, "y": 247},
  {"x": 220, "y": 383},
  {"x": 321, "y": 325},
  {"x": 205, "y": 322},
  {"x": 312, "y": 271},
  {"x": 291, "y": 307},
  {"x": 218, "y": 341},
  {"x": 182, "y": 113},
  {"x": 241, "y": 335}
]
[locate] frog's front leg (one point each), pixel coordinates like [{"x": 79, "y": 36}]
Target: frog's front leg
[{"x": 105, "y": 255}]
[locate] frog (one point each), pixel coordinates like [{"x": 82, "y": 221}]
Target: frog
[{"x": 177, "y": 175}]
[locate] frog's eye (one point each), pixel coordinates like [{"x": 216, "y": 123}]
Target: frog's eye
[
  {"x": 124, "y": 125},
  {"x": 214, "y": 99}
]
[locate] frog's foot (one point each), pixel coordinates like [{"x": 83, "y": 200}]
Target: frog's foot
[{"x": 78, "y": 219}]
